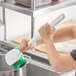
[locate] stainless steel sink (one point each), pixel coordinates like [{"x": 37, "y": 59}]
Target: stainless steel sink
[
  {"x": 34, "y": 70},
  {"x": 38, "y": 66}
]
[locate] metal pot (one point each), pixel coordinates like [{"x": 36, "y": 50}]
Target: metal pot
[{"x": 6, "y": 70}]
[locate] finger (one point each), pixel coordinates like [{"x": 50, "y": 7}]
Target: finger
[
  {"x": 22, "y": 41},
  {"x": 54, "y": 28},
  {"x": 47, "y": 24},
  {"x": 29, "y": 47},
  {"x": 43, "y": 28},
  {"x": 21, "y": 45},
  {"x": 48, "y": 29},
  {"x": 40, "y": 29},
  {"x": 25, "y": 42},
  {"x": 26, "y": 47}
]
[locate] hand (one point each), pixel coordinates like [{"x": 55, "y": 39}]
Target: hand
[
  {"x": 46, "y": 31},
  {"x": 23, "y": 47}
]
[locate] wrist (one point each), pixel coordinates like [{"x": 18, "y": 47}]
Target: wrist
[
  {"x": 48, "y": 39},
  {"x": 49, "y": 44}
]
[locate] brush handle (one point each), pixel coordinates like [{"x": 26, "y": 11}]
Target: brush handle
[{"x": 52, "y": 24}]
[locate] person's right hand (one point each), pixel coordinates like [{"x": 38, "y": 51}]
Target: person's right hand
[{"x": 23, "y": 46}]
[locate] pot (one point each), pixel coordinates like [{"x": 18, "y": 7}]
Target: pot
[{"x": 6, "y": 70}]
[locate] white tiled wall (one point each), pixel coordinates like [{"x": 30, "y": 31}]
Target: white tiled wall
[{"x": 19, "y": 24}]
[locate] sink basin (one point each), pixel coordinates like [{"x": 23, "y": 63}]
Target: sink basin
[
  {"x": 31, "y": 69},
  {"x": 38, "y": 66},
  {"x": 34, "y": 70}
]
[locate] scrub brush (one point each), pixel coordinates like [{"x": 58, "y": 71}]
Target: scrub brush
[{"x": 15, "y": 57}]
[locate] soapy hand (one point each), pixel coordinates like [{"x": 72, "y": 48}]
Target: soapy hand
[
  {"x": 46, "y": 31},
  {"x": 23, "y": 46}
]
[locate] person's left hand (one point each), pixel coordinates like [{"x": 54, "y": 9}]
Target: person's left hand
[
  {"x": 46, "y": 31},
  {"x": 23, "y": 46}
]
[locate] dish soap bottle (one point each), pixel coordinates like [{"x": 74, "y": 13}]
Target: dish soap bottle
[{"x": 15, "y": 58}]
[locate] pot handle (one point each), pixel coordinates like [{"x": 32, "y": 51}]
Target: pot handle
[{"x": 27, "y": 58}]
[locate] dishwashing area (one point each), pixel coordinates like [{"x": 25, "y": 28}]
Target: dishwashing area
[
  {"x": 20, "y": 21},
  {"x": 33, "y": 68},
  {"x": 37, "y": 66}
]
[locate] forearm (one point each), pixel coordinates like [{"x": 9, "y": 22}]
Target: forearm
[
  {"x": 63, "y": 34},
  {"x": 59, "y": 61},
  {"x": 52, "y": 53}
]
